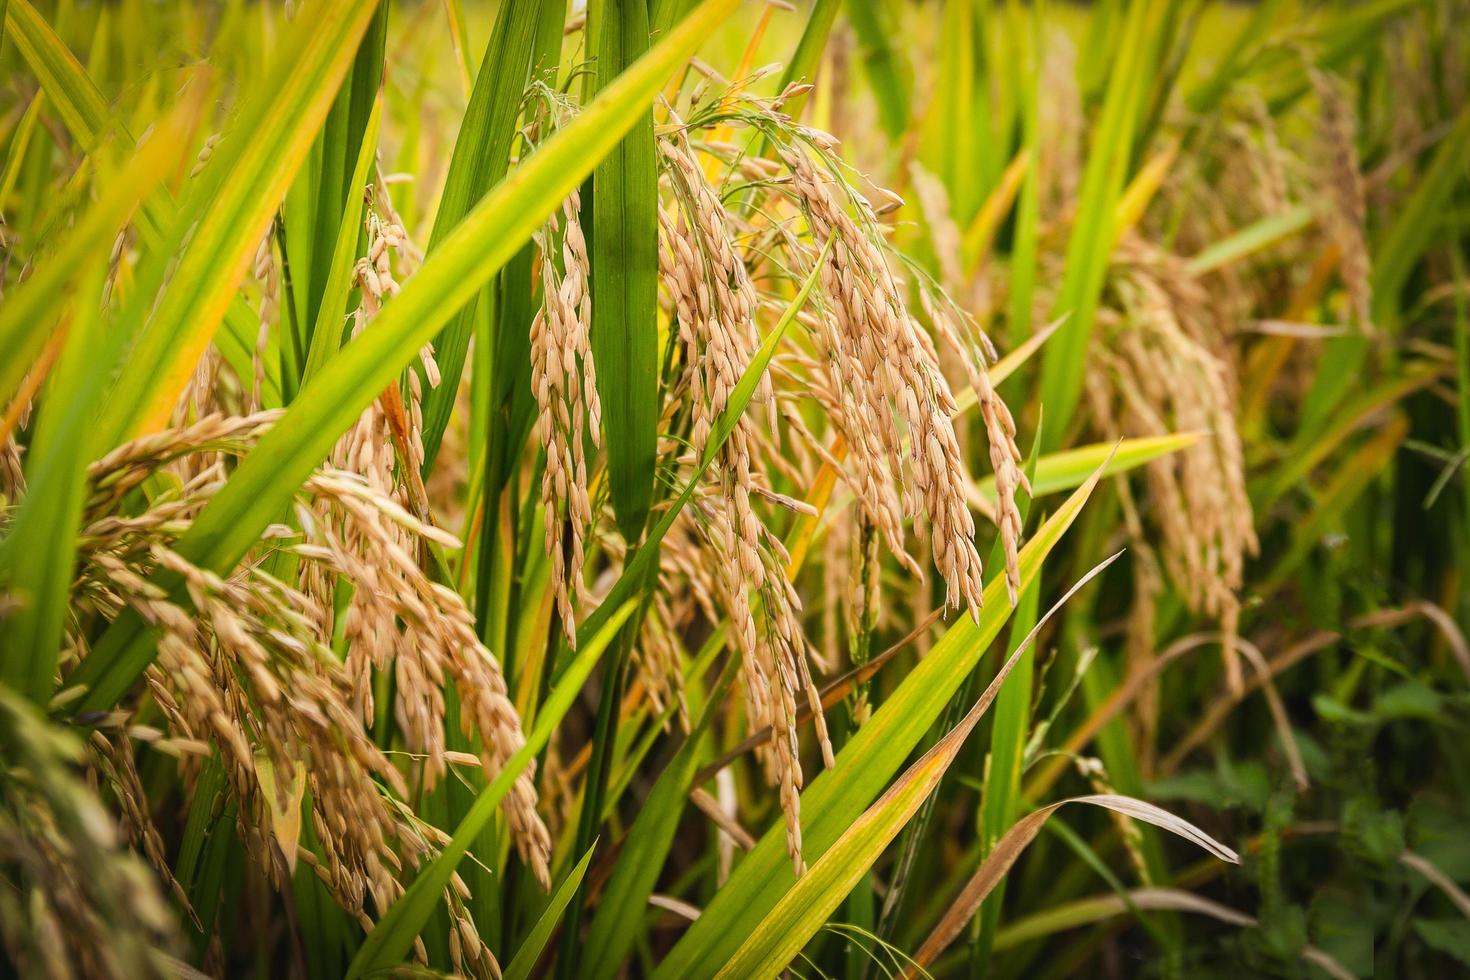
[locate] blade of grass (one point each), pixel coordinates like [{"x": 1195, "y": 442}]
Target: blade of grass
[
  {"x": 1068, "y": 468},
  {"x": 459, "y": 40},
  {"x": 1087, "y": 911},
  {"x": 81, "y": 107},
  {"x": 1253, "y": 238},
  {"x": 1396, "y": 254},
  {"x": 1024, "y": 619},
  {"x": 340, "y": 148},
  {"x": 1462, "y": 378},
  {"x": 39, "y": 549},
  {"x": 326, "y": 334},
  {"x": 623, "y": 250},
  {"x": 19, "y": 145},
  {"x": 1306, "y": 454},
  {"x": 1002, "y": 786},
  {"x": 531, "y": 947},
  {"x": 503, "y": 406},
  {"x": 614, "y": 929},
  {"x": 1028, "y": 209},
  {"x": 980, "y": 235},
  {"x": 1206, "y": 95},
  {"x": 1345, "y": 486},
  {"x": 952, "y": 135},
  {"x": 1414, "y": 225},
  {"x": 881, "y": 62},
  {"x": 1141, "y": 190}
]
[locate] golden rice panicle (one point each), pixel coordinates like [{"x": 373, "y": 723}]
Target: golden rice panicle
[
  {"x": 127, "y": 466},
  {"x": 886, "y": 368},
  {"x": 959, "y": 332},
  {"x": 354, "y": 534},
  {"x": 569, "y": 412},
  {"x": 487, "y": 712},
  {"x": 367, "y": 449},
  {"x": 844, "y": 386},
  {"x": 659, "y": 661},
  {"x": 437, "y": 642},
  {"x": 714, "y": 304},
  {"x": 286, "y": 701},
  {"x": 1158, "y": 368},
  {"x": 375, "y": 274},
  {"x": 368, "y": 535},
  {"x": 247, "y": 670},
  {"x": 772, "y": 658},
  {"x": 115, "y": 760},
  {"x": 715, "y": 300}
]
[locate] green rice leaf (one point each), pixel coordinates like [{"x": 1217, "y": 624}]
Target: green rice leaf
[
  {"x": 82, "y": 109},
  {"x": 530, "y": 949},
  {"x": 614, "y": 929},
  {"x": 339, "y": 152},
  {"x": 1064, "y": 470},
  {"x": 326, "y": 335},
  {"x": 993, "y": 869},
  {"x": 1253, "y": 238},
  {"x": 623, "y": 250},
  {"x": 871, "y": 22},
  {"x": 38, "y": 552}
]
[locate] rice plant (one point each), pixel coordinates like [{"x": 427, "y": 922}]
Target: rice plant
[{"x": 702, "y": 488}]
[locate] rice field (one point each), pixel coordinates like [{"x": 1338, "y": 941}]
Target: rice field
[{"x": 722, "y": 488}]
